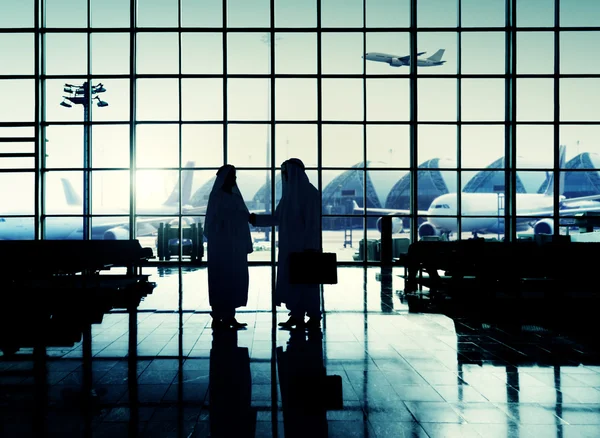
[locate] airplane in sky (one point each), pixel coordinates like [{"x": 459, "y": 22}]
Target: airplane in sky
[
  {"x": 484, "y": 212},
  {"x": 103, "y": 227},
  {"x": 399, "y": 61}
]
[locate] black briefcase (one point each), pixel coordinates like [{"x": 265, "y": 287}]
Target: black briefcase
[{"x": 311, "y": 267}]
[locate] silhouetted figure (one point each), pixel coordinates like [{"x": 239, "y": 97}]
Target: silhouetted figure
[
  {"x": 302, "y": 380},
  {"x": 230, "y": 388},
  {"x": 229, "y": 243},
  {"x": 299, "y": 220}
]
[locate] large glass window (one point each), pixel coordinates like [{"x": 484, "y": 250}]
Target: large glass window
[{"x": 191, "y": 85}]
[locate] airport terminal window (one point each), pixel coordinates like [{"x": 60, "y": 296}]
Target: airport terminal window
[
  {"x": 157, "y": 53},
  {"x": 110, "y": 146},
  {"x": 437, "y": 141},
  {"x": 295, "y": 99},
  {"x": 157, "y": 13},
  {"x": 110, "y": 192},
  {"x": 437, "y": 13},
  {"x": 295, "y": 53},
  {"x": 483, "y": 53},
  {"x": 342, "y": 99},
  {"x": 490, "y": 13},
  {"x": 388, "y": 14},
  {"x": 60, "y": 48},
  {"x": 535, "y": 13},
  {"x": 201, "y": 53},
  {"x": 430, "y": 43},
  {"x": 296, "y": 140},
  {"x": 110, "y": 13},
  {"x": 110, "y": 53},
  {"x": 63, "y": 148},
  {"x": 535, "y": 99},
  {"x": 16, "y": 62},
  {"x": 388, "y": 146},
  {"x": 21, "y": 91},
  {"x": 535, "y": 53},
  {"x": 579, "y": 99},
  {"x": 157, "y": 99},
  {"x": 481, "y": 145},
  {"x": 436, "y": 100},
  {"x": 397, "y": 43},
  {"x": 203, "y": 144},
  {"x": 534, "y": 146},
  {"x": 246, "y": 144},
  {"x": 118, "y": 109},
  {"x": 157, "y": 145},
  {"x": 200, "y": 94},
  {"x": 201, "y": 99},
  {"x": 482, "y": 100},
  {"x": 570, "y": 44}
]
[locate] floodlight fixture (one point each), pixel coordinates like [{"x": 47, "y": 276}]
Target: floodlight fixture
[{"x": 81, "y": 95}]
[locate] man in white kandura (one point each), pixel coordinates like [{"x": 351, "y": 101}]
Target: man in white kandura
[
  {"x": 229, "y": 243},
  {"x": 298, "y": 217}
]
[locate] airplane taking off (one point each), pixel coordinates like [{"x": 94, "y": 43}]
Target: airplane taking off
[
  {"x": 103, "y": 227},
  {"x": 399, "y": 61},
  {"x": 531, "y": 209}
]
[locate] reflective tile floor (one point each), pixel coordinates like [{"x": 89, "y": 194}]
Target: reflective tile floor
[{"x": 163, "y": 372}]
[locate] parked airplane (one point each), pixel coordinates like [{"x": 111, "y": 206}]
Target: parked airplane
[
  {"x": 399, "y": 61},
  {"x": 102, "y": 227},
  {"x": 484, "y": 212}
]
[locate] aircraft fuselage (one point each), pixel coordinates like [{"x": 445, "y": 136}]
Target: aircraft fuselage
[
  {"x": 399, "y": 61},
  {"x": 490, "y": 206}
]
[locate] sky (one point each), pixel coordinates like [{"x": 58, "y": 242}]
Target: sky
[{"x": 387, "y": 99}]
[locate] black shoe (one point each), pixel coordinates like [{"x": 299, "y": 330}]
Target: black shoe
[
  {"x": 291, "y": 323},
  {"x": 216, "y": 324},
  {"x": 233, "y": 323}
]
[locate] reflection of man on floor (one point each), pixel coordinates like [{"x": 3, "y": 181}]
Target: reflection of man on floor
[
  {"x": 302, "y": 383},
  {"x": 230, "y": 388}
]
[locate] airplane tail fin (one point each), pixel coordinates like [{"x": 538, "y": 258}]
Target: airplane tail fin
[
  {"x": 562, "y": 151},
  {"x": 186, "y": 187},
  {"x": 71, "y": 195},
  {"x": 437, "y": 56}
]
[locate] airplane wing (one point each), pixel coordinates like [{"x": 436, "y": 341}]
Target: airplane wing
[
  {"x": 563, "y": 211},
  {"x": 407, "y": 57},
  {"x": 385, "y": 211}
]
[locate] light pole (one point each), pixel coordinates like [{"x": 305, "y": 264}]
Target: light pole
[{"x": 82, "y": 95}]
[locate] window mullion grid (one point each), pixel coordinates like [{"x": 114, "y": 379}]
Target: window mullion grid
[
  {"x": 132, "y": 118},
  {"x": 509, "y": 119},
  {"x": 40, "y": 128},
  {"x": 459, "y": 125},
  {"x": 365, "y": 153},
  {"x": 180, "y": 116},
  {"x": 556, "y": 127},
  {"x": 414, "y": 159}
]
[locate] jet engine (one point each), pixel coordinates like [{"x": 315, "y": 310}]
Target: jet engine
[
  {"x": 427, "y": 229},
  {"x": 397, "y": 226},
  {"x": 396, "y": 62},
  {"x": 544, "y": 226},
  {"x": 116, "y": 233}
]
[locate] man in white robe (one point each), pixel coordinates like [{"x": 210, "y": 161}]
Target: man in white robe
[
  {"x": 298, "y": 217},
  {"x": 229, "y": 243}
]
